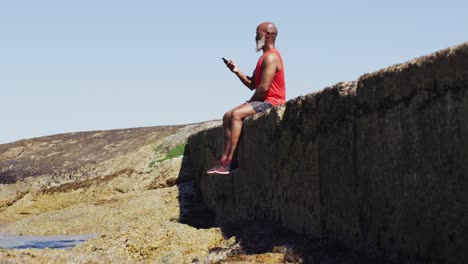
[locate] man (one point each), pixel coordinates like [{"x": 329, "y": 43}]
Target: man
[{"x": 270, "y": 90}]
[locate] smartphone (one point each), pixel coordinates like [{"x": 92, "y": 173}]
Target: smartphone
[{"x": 225, "y": 61}]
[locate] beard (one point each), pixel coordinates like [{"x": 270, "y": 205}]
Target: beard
[{"x": 260, "y": 44}]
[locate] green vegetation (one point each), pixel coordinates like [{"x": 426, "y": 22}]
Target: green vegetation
[
  {"x": 175, "y": 152},
  {"x": 152, "y": 163},
  {"x": 172, "y": 153}
]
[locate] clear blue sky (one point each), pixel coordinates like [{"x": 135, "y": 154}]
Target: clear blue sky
[{"x": 68, "y": 66}]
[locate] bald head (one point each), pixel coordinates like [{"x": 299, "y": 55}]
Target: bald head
[
  {"x": 266, "y": 36},
  {"x": 268, "y": 27}
]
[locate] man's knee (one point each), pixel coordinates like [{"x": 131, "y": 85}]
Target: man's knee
[
  {"x": 227, "y": 117},
  {"x": 237, "y": 115}
]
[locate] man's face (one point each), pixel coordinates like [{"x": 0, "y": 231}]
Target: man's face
[{"x": 260, "y": 40}]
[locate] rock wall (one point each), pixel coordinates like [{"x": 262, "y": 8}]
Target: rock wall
[{"x": 379, "y": 165}]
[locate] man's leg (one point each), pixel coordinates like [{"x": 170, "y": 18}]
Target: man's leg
[
  {"x": 232, "y": 124},
  {"x": 227, "y": 134},
  {"x": 237, "y": 117},
  {"x": 227, "y": 121},
  {"x": 227, "y": 140}
]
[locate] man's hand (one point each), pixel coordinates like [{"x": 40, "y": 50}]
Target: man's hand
[{"x": 232, "y": 66}]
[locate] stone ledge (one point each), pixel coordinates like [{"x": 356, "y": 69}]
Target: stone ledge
[{"x": 379, "y": 164}]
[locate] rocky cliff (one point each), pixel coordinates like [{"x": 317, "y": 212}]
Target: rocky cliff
[
  {"x": 379, "y": 165},
  {"x": 130, "y": 188}
]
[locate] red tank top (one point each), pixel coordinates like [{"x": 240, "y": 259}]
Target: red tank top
[{"x": 277, "y": 93}]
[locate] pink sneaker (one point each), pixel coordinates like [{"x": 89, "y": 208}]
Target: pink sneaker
[
  {"x": 225, "y": 168},
  {"x": 218, "y": 164}
]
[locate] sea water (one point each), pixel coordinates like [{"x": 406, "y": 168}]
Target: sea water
[{"x": 8, "y": 241}]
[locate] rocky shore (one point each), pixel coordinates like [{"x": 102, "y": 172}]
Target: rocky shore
[
  {"x": 124, "y": 186},
  {"x": 132, "y": 189}
]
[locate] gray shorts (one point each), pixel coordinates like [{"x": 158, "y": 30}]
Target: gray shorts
[{"x": 259, "y": 106}]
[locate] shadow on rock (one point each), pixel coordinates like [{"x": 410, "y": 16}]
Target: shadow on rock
[
  {"x": 254, "y": 238},
  {"x": 193, "y": 211},
  {"x": 260, "y": 237}
]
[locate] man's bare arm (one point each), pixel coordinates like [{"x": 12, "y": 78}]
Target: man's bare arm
[
  {"x": 246, "y": 80},
  {"x": 270, "y": 68}
]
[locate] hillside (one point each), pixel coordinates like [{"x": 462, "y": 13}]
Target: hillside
[
  {"x": 130, "y": 187},
  {"x": 132, "y": 191}
]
